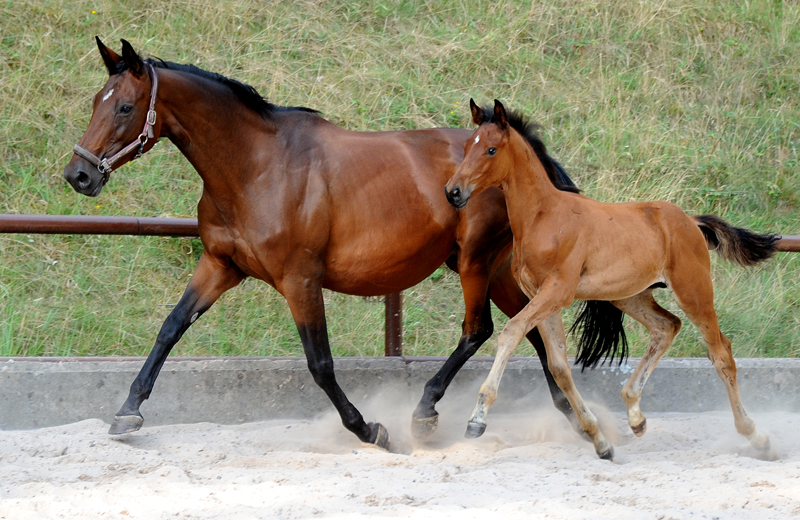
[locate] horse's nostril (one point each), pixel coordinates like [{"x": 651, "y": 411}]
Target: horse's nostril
[
  {"x": 83, "y": 179},
  {"x": 455, "y": 194}
]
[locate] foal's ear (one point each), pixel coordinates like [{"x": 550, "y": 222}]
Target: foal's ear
[
  {"x": 477, "y": 112},
  {"x": 500, "y": 118},
  {"x": 110, "y": 58},
  {"x": 131, "y": 59}
]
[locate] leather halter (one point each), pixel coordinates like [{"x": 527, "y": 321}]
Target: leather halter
[{"x": 106, "y": 165}]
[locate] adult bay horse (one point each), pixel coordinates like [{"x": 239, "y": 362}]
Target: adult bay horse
[
  {"x": 567, "y": 246},
  {"x": 302, "y": 204}
]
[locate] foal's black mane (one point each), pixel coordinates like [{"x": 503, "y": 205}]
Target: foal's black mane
[{"x": 528, "y": 129}]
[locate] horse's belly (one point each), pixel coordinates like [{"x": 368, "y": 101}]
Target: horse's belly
[{"x": 378, "y": 271}]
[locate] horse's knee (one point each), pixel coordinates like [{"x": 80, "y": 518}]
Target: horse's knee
[{"x": 322, "y": 372}]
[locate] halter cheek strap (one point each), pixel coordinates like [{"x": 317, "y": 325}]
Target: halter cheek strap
[{"x": 106, "y": 165}]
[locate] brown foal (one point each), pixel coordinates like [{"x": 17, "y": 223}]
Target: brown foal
[{"x": 568, "y": 246}]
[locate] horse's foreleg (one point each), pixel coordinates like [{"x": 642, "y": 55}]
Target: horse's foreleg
[
  {"x": 212, "y": 278},
  {"x": 476, "y": 329},
  {"x": 306, "y": 303},
  {"x": 509, "y": 298},
  {"x": 663, "y": 326}
]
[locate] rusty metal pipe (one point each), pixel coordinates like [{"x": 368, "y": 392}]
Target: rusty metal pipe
[
  {"x": 789, "y": 243},
  {"x": 175, "y": 227},
  {"x": 87, "y": 225}
]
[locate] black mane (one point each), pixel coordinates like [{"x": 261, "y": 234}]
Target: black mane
[
  {"x": 245, "y": 93},
  {"x": 528, "y": 129}
]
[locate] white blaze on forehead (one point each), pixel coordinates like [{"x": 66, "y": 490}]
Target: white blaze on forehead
[
  {"x": 108, "y": 94},
  {"x": 477, "y": 139}
]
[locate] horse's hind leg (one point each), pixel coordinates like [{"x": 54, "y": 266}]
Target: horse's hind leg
[
  {"x": 696, "y": 297},
  {"x": 308, "y": 310},
  {"x": 663, "y": 326},
  {"x": 212, "y": 278}
]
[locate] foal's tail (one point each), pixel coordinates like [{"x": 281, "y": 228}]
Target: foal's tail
[
  {"x": 602, "y": 334},
  {"x": 736, "y": 244}
]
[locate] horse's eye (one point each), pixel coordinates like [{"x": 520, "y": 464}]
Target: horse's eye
[
  {"x": 125, "y": 109},
  {"x": 491, "y": 151}
]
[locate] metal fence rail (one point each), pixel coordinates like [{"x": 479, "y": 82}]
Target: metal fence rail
[{"x": 187, "y": 227}]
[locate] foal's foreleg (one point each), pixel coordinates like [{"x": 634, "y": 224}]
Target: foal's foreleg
[
  {"x": 663, "y": 326},
  {"x": 509, "y": 298},
  {"x": 212, "y": 278},
  {"x": 516, "y": 328}
]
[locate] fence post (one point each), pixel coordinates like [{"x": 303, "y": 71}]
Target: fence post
[{"x": 393, "y": 345}]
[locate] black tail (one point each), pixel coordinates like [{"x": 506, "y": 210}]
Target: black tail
[
  {"x": 602, "y": 334},
  {"x": 736, "y": 244}
]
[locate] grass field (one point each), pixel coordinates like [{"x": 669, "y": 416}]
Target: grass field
[{"x": 697, "y": 103}]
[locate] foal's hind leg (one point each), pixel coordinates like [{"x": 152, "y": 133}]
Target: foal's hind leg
[
  {"x": 696, "y": 297},
  {"x": 663, "y": 326},
  {"x": 213, "y": 277}
]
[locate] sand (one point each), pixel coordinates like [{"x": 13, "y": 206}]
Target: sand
[{"x": 527, "y": 465}]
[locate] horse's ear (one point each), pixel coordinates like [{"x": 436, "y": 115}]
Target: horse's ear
[
  {"x": 477, "y": 112},
  {"x": 500, "y": 115},
  {"x": 131, "y": 59},
  {"x": 110, "y": 58}
]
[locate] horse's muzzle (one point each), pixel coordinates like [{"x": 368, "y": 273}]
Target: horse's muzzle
[{"x": 87, "y": 181}]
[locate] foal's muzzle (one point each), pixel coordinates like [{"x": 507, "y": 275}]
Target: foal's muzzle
[{"x": 456, "y": 196}]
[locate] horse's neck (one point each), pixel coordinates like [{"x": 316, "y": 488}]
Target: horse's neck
[{"x": 216, "y": 142}]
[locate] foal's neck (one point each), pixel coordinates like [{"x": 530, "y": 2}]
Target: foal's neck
[{"x": 527, "y": 187}]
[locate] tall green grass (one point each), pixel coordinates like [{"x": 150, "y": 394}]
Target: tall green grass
[{"x": 691, "y": 102}]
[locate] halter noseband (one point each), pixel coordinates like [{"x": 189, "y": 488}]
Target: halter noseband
[{"x": 106, "y": 165}]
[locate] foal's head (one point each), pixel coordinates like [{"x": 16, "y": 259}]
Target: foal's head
[
  {"x": 119, "y": 115},
  {"x": 488, "y": 157},
  {"x": 485, "y": 161}
]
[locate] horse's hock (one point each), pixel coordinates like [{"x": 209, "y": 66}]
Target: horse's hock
[{"x": 43, "y": 392}]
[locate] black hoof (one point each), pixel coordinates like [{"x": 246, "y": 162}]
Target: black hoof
[
  {"x": 640, "y": 428},
  {"x": 125, "y": 424},
  {"x": 380, "y": 436},
  {"x": 423, "y": 426},
  {"x": 474, "y": 430},
  {"x": 608, "y": 455}
]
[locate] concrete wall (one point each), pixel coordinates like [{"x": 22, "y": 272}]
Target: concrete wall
[{"x": 38, "y": 392}]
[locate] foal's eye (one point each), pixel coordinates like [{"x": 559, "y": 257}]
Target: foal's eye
[
  {"x": 125, "y": 109},
  {"x": 491, "y": 151}
]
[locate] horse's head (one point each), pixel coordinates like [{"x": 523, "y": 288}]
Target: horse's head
[
  {"x": 484, "y": 162},
  {"x": 122, "y": 124}
]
